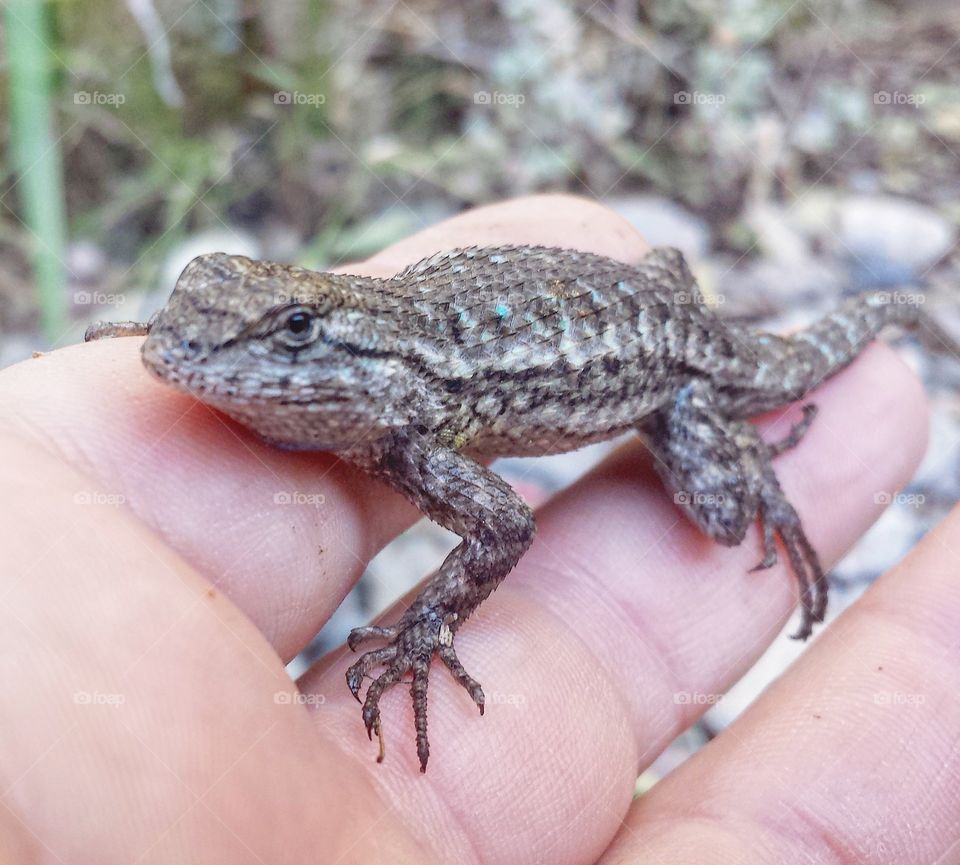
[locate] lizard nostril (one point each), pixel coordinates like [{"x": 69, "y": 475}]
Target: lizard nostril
[{"x": 189, "y": 347}]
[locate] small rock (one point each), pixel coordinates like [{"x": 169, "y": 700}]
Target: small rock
[
  {"x": 663, "y": 223},
  {"x": 15, "y": 347},
  {"x": 768, "y": 287},
  {"x": 865, "y": 181},
  {"x": 890, "y": 240}
]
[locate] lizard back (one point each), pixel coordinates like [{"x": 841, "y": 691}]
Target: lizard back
[{"x": 551, "y": 348}]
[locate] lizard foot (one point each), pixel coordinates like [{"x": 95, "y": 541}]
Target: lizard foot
[
  {"x": 410, "y": 649},
  {"x": 803, "y": 560}
]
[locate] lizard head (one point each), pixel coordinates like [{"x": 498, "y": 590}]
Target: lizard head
[{"x": 297, "y": 356}]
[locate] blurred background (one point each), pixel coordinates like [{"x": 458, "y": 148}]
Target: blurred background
[{"x": 796, "y": 150}]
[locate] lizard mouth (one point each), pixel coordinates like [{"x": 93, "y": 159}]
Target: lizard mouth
[
  {"x": 226, "y": 388},
  {"x": 187, "y": 383},
  {"x": 177, "y": 367}
]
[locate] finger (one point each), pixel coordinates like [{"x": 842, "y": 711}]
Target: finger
[
  {"x": 851, "y": 757},
  {"x": 145, "y": 718},
  {"x": 284, "y": 534},
  {"x": 537, "y": 220},
  {"x": 200, "y": 748},
  {"x": 619, "y": 609}
]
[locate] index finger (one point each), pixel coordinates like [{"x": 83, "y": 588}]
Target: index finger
[{"x": 284, "y": 534}]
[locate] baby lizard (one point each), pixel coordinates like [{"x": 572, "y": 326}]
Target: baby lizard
[{"x": 512, "y": 350}]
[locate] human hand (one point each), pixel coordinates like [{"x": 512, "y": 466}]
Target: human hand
[{"x": 154, "y": 589}]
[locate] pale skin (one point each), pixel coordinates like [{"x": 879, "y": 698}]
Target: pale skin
[{"x": 175, "y": 611}]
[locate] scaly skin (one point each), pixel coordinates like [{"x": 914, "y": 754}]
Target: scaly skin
[{"x": 501, "y": 352}]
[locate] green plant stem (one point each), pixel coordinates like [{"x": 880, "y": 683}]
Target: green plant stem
[{"x": 36, "y": 155}]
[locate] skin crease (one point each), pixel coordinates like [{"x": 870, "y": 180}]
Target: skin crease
[{"x": 176, "y": 609}]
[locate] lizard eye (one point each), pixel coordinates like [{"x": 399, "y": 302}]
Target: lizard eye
[{"x": 298, "y": 327}]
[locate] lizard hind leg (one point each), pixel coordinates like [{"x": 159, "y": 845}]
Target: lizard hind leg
[{"x": 720, "y": 473}]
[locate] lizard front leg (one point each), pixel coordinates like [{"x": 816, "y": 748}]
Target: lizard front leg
[
  {"x": 111, "y": 329},
  {"x": 496, "y": 527}
]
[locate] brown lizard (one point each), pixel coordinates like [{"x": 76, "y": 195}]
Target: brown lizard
[{"x": 513, "y": 350}]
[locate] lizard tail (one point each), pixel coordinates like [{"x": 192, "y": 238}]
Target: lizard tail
[{"x": 834, "y": 341}]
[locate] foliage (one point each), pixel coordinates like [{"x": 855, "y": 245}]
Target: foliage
[{"x": 399, "y": 112}]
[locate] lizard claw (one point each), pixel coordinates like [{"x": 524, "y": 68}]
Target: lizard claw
[
  {"x": 804, "y": 562},
  {"x": 412, "y": 645}
]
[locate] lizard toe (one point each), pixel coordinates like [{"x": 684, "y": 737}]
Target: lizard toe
[
  {"x": 412, "y": 645},
  {"x": 418, "y": 690},
  {"x": 371, "y": 703},
  {"x": 370, "y": 632},
  {"x": 811, "y": 577},
  {"x": 358, "y": 671},
  {"x": 448, "y": 654}
]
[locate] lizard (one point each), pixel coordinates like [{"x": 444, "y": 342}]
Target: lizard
[{"x": 482, "y": 352}]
